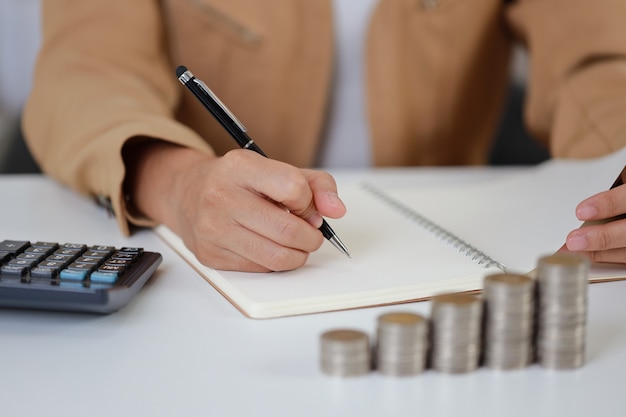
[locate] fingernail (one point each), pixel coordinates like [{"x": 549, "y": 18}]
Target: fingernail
[
  {"x": 576, "y": 243},
  {"x": 334, "y": 199},
  {"x": 586, "y": 212}
]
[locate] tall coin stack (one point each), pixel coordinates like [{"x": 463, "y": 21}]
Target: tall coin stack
[
  {"x": 562, "y": 310},
  {"x": 345, "y": 353},
  {"x": 508, "y": 324},
  {"x": 402, "y": 344},
  {"x": 456, "y": 332}
]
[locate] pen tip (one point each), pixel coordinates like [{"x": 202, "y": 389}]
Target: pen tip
[
  {"x": 180, "y": 70},
  {"x": 339, "y": 245}
]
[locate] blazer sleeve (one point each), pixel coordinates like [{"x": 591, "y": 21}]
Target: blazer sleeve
[
  {"x": 576, "y": 99},
  {"x": 102, "y": 77}
]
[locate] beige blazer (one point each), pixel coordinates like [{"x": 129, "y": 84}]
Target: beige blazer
[{"x": 436, "y": 73}]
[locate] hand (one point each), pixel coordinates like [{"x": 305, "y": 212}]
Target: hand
[
  {"x": 603, "y": 239},
  {"x": 240, "y": 211}
]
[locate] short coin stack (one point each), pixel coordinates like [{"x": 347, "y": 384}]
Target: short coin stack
[
  {"x": 509, "y": 319},
  {"x": 345, "y": 352},
  {"x": 456, "y": 333},
  {"x": 402, "y": 344},
  {"x": 562, "y": 310}
]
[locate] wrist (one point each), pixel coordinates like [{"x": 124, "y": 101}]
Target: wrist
[{"x": 153, "y": 170}]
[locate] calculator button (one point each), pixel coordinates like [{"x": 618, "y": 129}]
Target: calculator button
[
  {"x": 105, "y": 249},
  {"x": 88, "y": 267},
  {"x": 14, "y": 246},
  {"x": 118, "y": 269},
  {"x": 102, "y": 277},
  {"x": 50, "y": 246},
  {"x": 67, "y": 252},
  {"x": 38, "y": 250},
  {"x": 123, "y": 255},
  {"x": 132, "y": 250},
  {"x": 75, "y": 246},
  {"x": 17, "y": 266},
  {"x": 89, "y": 261},
  {"x": 74, "y": 274},
  {"x": 64, "y": 259},
  {"x": 30, "y": 256},
  {"x": 94, "y": 255},
  {"x": 43, "y": 274},
  {"x": 121, "y": 262}
]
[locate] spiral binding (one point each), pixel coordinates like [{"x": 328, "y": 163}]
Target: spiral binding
[{"x": 456, "y": 242}]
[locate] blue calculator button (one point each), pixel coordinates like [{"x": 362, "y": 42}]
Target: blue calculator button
[
  {"x": 73, "y": 274},
  {"x": 102, "y": 277}
]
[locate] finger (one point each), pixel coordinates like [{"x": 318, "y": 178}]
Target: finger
[
  {"x": 611, "y": 255},
  {"x": 603, "y": 205},
  {"x": 278, "y": 225},
  {"x": 325, "y": 194},
  {"x": 246, "y": 250},
  {"x": 601, "y": 237},
  {"x": 277, "y": 181}
]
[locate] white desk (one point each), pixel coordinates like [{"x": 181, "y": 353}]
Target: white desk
[{"x": 180, "y": 349}]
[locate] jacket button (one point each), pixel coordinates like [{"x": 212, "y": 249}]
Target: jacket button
[{"x": 104, "y": 201}]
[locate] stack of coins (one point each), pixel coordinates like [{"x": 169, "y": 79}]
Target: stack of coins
[
  {"x": 345, "y": 353},
  {"x": 509, "y": 312},
  {"x": 562, "y": 310},
  {"x": 456, "y": 332},
  {"x": 402, "y": 344}
]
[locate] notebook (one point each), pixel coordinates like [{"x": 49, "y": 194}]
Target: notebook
[{"x": 410, "y": 243}]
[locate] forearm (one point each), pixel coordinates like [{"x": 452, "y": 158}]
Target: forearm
[
  {"x": 102, "y": 77},
  {"x": 577, "y": 81},
  {"x": 153, "y": 184}
]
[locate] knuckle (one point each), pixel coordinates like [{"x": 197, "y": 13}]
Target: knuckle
[
  {"x": 316, "y": 242},
  {"x": 288, "y": 232},
  {"x": 234, "y": 158},
  {"x": 604, "y": 240},
  {"x": 296, "y": 235},
  {"x": 614, "y": 204},
  {"x": 594, "y": 256},
  {"x": 293, "y": 187},
  {"x": 284, "y": 259}
]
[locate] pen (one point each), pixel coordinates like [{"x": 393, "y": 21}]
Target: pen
[
  {"x": 238, "y": 131},
  {"x": 621, "y": 179}
]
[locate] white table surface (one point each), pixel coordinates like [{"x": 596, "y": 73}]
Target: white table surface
[{"x": 180, "y": 349}]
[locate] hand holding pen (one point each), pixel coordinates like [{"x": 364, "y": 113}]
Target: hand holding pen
[
  {"x": 602, "y": 237},
  {"x": 237, "y": 130}
]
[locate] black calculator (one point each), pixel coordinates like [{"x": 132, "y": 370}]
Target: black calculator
[{"x": 72, "y": 276}]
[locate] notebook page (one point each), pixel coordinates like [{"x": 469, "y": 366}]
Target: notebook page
[
  {"x": 522, "y": 217},
  {"x": 393, "y": 260}
]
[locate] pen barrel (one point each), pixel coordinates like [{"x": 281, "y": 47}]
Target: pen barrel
[{"x": 251, "y": 145}]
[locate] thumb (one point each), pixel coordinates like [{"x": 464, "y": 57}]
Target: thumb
[{"x": 326, "y": 200}]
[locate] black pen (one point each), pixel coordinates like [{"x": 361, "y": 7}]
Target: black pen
[{"x": 238, "y": 131}]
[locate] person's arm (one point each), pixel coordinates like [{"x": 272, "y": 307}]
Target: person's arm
[
  {"x": 576, "y": 100},
  {"x": 102, "y": 77},
  {"x": 103, "y": 100},
  {"x": 576, "y": 92}
]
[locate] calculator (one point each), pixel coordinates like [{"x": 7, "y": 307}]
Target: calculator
[{"x": 72, "y": 276}]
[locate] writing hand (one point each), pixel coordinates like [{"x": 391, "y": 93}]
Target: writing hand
[{"x": 240, "y": 211}]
